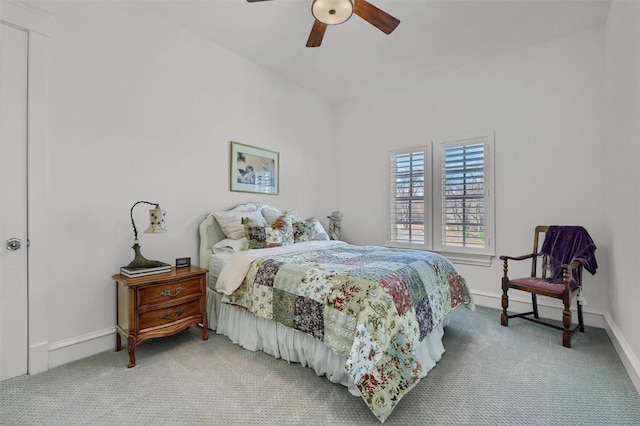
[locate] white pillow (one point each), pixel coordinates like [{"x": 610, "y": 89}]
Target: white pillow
[
  {"x": 232, "y": 246},
  {"x": 231, "y": 221},
  {"x": 270, "y": 213}
]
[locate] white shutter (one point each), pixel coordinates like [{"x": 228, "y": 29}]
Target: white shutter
[
  {"x": 464, "y": 196},
  {"x": 409, "y": 189}
]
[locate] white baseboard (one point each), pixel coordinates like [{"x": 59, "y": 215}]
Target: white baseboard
[
  {"x": 628, "y": 358},
  {"x": 90, "y": 344},
  {"x": 546, "y": 307},
  {"x": 38, "y": 358},
  {"x": 81, "y": 347}
]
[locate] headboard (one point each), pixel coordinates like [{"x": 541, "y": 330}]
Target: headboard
[{"x": 210, "y": 233}]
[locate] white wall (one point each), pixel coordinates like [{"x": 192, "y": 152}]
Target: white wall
[
  {"x": 140, "y": 109},
  {"x": 546, "y": 106},
  {"x": 623, "y": 175}
]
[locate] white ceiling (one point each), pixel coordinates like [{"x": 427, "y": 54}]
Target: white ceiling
[{"x": 356, "y": 58}]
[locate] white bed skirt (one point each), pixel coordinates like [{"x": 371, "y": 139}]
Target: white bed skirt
[{"x": 258, "y": 334}]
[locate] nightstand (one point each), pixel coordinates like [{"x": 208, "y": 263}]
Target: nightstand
[{"x": 159, "y": 305}]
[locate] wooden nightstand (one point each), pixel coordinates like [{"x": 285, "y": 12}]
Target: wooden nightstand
[{"x": 159, "y": 305}]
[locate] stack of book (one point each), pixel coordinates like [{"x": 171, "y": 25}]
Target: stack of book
[{"x": 141, "y": 272}]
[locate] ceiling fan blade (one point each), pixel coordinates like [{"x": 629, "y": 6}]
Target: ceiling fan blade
[
  {"x": 376, "y": 17},
  {"x": 253, "y": 1},
  {"x": 317, "y": 33}
]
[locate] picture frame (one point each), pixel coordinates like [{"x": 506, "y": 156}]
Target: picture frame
[{"x": 254, "y": 169}]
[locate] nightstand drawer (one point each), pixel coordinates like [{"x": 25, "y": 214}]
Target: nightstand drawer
[
  {"x": 160, "y": 317},
  {"x": 163, "y": 293}
]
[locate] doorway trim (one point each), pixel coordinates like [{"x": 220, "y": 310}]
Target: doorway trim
[{"x": 36, "y": 22}]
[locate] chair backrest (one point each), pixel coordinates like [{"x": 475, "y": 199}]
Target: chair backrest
[
  {"x": 543, "y": 262},
  {"x": 538, "y": 239}
]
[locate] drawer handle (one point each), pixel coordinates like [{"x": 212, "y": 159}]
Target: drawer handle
[
  {"x": 168, "y": 315},
  {"x": 168, "y": 292}
]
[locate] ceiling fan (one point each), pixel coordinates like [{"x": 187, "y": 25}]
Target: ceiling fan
[{"x": 332, "y": 12}]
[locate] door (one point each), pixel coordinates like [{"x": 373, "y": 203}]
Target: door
[{"x": 13, "y": 207}]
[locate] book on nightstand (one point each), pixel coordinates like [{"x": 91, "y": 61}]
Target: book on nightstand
[{"x": 141, "y": 272}]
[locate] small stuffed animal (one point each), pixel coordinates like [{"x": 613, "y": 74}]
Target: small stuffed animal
[{"x": 334, "y": 225}]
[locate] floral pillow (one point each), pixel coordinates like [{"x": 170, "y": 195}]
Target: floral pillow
[
  {"x": 309, "y": 230},
  {"x": 279, "y": 233}
]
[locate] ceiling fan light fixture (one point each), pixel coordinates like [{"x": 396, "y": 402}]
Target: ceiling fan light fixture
[{"x": 332, "y": 12}]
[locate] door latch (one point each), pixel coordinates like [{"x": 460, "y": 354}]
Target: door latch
[{"x": 14, "y": 244}]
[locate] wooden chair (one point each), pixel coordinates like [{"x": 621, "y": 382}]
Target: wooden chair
[{"x": 547, "y": 280}]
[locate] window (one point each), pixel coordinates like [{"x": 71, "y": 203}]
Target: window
[
  {"x": 409, "y": 211},
  {"x": 444, "y": 202}
]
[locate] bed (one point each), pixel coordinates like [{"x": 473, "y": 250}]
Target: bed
[{"x": 370, "y": 318}]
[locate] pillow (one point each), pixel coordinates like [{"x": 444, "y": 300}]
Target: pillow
[
  {"x": 231, "y": 221},
  {"x": 309, "y": 230},
  {"x": 230, "y": 245},
  {"x": 294, "y": 214},
  {"x": 256, "y": 234},
  {"x": 280, "y": 233},
  {"x": 271, "y": 213}
]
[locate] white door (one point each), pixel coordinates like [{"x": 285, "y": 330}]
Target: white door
[{"x": 13, "y": 202}]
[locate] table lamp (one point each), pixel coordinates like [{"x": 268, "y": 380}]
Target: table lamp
[{"x": 156, "y": 225}]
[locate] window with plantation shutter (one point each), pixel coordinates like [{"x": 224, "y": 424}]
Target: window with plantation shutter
[
  {"x": 463, "y": 195},
  {"x": 444, "y": 202},
  {"x": 408, "y": 202}
]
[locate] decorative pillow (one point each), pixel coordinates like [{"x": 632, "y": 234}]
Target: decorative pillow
[
  {"x": 309, "y": 230},
  {"x": 293, "y": 213},
  {"x": 230, "y": 245},
  {"x": 231, "y": 221},
  {"x": 280, "y": 233},
  {"x": 256, "y": 233},
  {"x": 283, "y": 226}
]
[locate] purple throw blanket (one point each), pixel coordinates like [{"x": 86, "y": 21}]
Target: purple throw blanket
[{"x": 565, "y": 244}]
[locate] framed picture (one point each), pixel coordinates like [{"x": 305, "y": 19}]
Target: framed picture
[{"x": 254, "y": 169}]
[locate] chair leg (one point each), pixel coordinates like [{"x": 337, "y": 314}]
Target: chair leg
[
  {"x": 580, "y": 320},
  {"x": 534, "y": 302},
  {"x": 566, "y": 322},
  {"x": 504, "y": 318}
]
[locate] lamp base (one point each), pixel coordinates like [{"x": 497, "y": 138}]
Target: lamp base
[{"x": 140, "y": 262}]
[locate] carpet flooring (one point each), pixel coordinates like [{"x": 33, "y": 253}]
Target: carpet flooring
[{"x": 489, "y": 375}]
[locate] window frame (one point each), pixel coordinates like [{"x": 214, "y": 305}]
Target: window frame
[{"x": 433, "y": 201}]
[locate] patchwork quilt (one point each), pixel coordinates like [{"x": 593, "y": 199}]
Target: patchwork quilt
[{"x": 372, "y": 305}]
